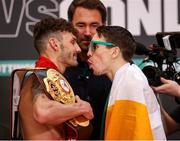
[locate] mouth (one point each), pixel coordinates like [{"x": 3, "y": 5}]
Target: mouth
[
  {"x": 75, "y": 56},
  {"x": 90, "y": 64},
  {"x": 86, "y": 42}
]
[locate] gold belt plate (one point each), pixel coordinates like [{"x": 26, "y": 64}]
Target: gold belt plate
[
  {"x": 58, "y": 87},
  {"x": 60, "y": 90}
]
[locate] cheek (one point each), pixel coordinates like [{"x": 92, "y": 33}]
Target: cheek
[
  {"x": 67, "y": 54},
  {"x": 98, "y": 62},
  {"x": 80, "y": 31},
  {"x": 93, "y": 31}
]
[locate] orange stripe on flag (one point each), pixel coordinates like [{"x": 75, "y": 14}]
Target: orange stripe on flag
[{"x": 127, "y": 120}]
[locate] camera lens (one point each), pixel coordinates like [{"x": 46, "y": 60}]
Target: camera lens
[{"x": 153, "y": 75}]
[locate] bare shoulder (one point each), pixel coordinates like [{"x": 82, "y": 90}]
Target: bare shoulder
[
  {"x": 26, "y": 86},
  {"x": 32, "y": 87},
  {"x": 37, "y": 90}
]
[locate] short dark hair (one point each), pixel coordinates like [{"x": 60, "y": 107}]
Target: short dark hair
[
  {"x": 47, "y": 26},
  {"x": 120, "y": 37},
  {"x": 87, "y": 4}
]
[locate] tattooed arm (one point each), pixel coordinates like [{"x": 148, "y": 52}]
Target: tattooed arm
[{"x": 51, "y": 112}]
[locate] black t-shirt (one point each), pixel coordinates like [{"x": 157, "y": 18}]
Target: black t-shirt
[
  {"x": 91, "y": 88},
  {"x": 176, "y": 114}
]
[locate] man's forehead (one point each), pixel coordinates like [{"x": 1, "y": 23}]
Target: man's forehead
[
  {"x": 96, "y": 37},
  {"x": 68, "y": 35},
  {"x": 84, "y": 15}
]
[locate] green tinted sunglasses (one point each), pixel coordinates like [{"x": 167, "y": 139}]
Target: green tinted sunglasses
[{"x": 95, "y": 42}]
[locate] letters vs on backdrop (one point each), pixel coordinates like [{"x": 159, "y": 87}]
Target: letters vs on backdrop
[
  {"x": 144, "y": 18},
  {"x": 152, "y": 15}
]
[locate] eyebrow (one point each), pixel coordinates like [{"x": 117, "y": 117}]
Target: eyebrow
[{"x": 81, "y": 22}]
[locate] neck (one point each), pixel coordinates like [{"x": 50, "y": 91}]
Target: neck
[
  {"x": 60, "y": 66},
  {"x": 49, "y": 62},
  {"x": 114, "y": 68}
]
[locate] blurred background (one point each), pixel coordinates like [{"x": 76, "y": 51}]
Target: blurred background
[{"x": 143, "y": 18}]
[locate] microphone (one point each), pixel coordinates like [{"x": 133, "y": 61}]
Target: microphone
[{"x": 141, "y": 49}]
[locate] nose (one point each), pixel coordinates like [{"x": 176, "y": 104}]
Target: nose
[
  {"x": 78, "y": 49},
  {"x": 89, "y": 54},
  {"x": 87, "y": 31}
]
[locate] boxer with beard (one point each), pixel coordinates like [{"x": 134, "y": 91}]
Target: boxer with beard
[{"x": 42, "y": 118}]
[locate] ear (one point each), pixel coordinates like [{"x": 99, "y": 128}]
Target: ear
[
  {"x": 53, "y": 43},
  {"x": 115, "y": 52}
]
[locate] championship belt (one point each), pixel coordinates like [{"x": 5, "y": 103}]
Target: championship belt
[
  {"x": 60, "y": 90},
  {"x": 57, "y": 88}
]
